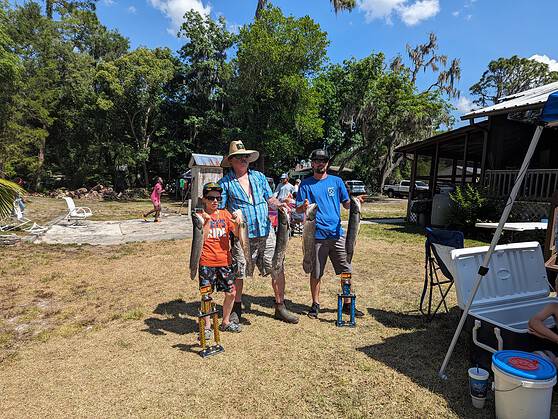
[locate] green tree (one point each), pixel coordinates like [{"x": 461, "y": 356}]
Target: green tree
[
  {"x": 134, "y": 90},
  {"x": 10, "y": 69},
  {"x": 274, "y": 105},
  {"x": 338, "y": 5},
  {"x": 506, "y": 76},
  {"x": 203, "y": 82}
]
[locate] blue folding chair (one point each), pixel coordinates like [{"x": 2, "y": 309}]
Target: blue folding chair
[{"x": 438, "y": 245}]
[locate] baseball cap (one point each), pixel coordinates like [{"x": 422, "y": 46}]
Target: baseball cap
[
  {"x": 284, "y": 176},
  {"x": 319, "y": 154},
  {"x": 211, "y": 186}
]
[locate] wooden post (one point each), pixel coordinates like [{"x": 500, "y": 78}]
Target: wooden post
[
  {"x": 483, "y": 159},
  {"x": 434, "y": 171},
  {"x": 412, "y": 184},
  {"x": 453, "y": 170},
  {"x": 464, "y": 169}
]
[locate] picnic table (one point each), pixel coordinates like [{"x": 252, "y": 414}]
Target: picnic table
[{"x": 524, "y": 226}]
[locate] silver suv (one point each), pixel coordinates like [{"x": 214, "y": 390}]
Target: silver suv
[{"x": 356, "y": 187}]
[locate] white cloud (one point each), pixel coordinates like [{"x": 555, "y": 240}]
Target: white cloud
[
  {"x": 175, "y": 9},
  {"x": 552, "y": 64},
  {"x": 419, "y": 11},
  {"x": 456, "y": 13},
  {"x": 108, "y": 2},
  {"x": 132, "y": 10},
  {"x": 464, "y": 104},
  {"x": 410, "y": 12}
]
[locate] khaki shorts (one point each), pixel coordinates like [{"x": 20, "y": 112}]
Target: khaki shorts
[
  {"x": 262, "y": 249},
  {"x": 335, "y": 249}
]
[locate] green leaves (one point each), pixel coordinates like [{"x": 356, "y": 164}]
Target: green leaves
[
  {"x": 8, "y": 193},
  {"x": 506, "y": 76}
]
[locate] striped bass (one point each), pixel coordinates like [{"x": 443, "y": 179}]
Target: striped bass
[
  {"x": 309, "y": 239},
  {"x": 352, "y": 229},
  {"x": 244, "y": 243},
  {"x": 282, "y": 239},
  {"x": 197, "y": 243}
]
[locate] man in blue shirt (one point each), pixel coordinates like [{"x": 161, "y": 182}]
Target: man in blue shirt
[
  {"x": 328, "y": 192},
  {"x": 248, "y": 190}
]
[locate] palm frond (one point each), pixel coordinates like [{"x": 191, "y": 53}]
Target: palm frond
[{"x": 8, "y": 193}]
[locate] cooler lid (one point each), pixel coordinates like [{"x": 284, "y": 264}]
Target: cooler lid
[
  {"x": 516, "y": 273},
  {"x": 524, "y": 365}
]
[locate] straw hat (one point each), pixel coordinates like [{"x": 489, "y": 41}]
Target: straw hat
[{"x": 236, "y": 148}]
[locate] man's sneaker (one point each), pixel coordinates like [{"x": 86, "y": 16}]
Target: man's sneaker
[
  {"x": 208, "y": 335},
  {"x": 314, "y": 311},
  {"x": 282, "y": 313},
  {"x": 234, "y": 318},
  {"x": 347, "y": 310},
  {"x": 230, "y": 327}
]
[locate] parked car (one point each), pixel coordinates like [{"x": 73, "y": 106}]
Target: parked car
[
  {"x": 356, "y": 187},
  {"x": 402, "y": 188}
]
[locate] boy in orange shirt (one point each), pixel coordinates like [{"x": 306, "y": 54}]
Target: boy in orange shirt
[{"x": 216, "y": 268}]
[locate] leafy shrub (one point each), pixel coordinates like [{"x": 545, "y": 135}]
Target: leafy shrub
[{"x": 470, "y": 205}]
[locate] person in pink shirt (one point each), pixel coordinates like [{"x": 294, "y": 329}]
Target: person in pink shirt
[{"x": 156, "y": 200}]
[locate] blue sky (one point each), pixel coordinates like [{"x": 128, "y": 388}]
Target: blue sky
[{"x": 475, "y": 31}]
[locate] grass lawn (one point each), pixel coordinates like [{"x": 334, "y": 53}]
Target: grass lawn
[
  {"x": 110, "y": 332},
  {"x": 42, "y": 209}
]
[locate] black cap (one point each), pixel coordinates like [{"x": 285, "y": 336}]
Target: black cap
[
  {"x": 211, "y": 186},
  {"x": 319, "y": 154}
]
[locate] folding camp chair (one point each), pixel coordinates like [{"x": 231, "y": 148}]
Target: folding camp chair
[{"x": 437, "y": 263}]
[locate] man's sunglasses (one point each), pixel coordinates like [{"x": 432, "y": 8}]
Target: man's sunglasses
[
  {"x": 213, "y": 198},
  {"x": 319, "y": 160},
  {"x": 241, "y": 157}
]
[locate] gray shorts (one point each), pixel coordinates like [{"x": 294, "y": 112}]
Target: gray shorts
[
  {"x": 335, "y": 249},
  {"x": 262, "y": 249}
]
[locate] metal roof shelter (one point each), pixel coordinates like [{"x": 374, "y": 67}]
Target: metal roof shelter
[
  {"x": 527, "y": 100},
  {"x": 205, "y": 168},
  {"x": 205, "y": 160}
]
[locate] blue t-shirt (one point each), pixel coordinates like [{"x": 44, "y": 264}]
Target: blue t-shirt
[{"x": 328, "y": 193}]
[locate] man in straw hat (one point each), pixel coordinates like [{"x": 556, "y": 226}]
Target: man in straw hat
[{"x": 249, "y": 191}]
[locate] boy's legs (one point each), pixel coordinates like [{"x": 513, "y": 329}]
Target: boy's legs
[{"x": 207, "y": 275}]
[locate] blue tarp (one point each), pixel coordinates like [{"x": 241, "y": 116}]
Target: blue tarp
[{"x": 550, "y": 110}]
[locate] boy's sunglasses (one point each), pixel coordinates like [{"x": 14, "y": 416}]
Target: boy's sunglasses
[{"x": 213, "y": 198}]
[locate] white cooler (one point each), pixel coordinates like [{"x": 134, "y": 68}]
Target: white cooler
[{"x": 513, "y": 290}]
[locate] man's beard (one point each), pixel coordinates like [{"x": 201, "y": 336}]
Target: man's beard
[{"x": 320, "y": 170}]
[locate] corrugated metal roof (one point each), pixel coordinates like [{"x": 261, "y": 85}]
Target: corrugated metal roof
[
  {"x": 529, "y": 99},
  {"x": 205, "y": 160}
]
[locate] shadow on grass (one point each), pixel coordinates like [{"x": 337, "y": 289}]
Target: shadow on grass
[
  {"x": 176, "y": 322},
  {"x": 418, "y": 354}
]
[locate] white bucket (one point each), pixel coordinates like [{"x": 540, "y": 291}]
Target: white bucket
[{"x": 519, "y": 398}]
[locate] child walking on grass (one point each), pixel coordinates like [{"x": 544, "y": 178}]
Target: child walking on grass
[
  {"x": 156, "y": 200},
  {"x": 216, "y": 268}
]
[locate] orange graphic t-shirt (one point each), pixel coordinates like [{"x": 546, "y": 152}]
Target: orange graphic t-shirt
[{"x": 216, "y": 247}]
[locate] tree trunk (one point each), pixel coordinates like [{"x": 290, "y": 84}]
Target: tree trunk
[
  {"x": 145, "y": 175},
  {"x": 261, "y": 6},
  {"x": 49, "y": 7},
  {"x": 41, "y": 158}
]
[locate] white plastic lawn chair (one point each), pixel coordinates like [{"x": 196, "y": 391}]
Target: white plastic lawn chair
[
  {"x": 76, "y": 214},
  {"x": 20, "y": 222}
]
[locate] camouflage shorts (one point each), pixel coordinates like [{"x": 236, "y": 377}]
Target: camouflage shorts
[{"x": 220, "y": 278}]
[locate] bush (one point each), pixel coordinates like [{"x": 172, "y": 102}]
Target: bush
[{"x": 470, "y": 205}]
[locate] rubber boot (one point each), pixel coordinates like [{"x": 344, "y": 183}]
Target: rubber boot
[{"x": 282, "y": 313}]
